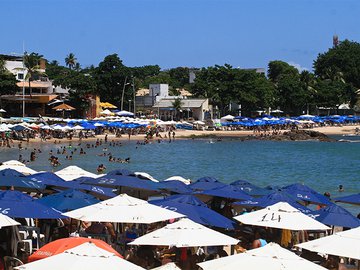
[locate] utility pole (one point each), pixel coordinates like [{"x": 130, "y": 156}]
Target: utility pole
[
  {"x": 122, "y": 95},
  {"x": 133, "y": 85}
]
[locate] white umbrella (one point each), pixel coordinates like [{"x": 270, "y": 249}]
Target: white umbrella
[
  {"x": 199, "y": 123},
  {"x": 2, "y": 111},
  {"x": 77, "y": 127},
  {"x": 17, "y": 166},
  {"x": 179, "y": 178},
  {"x": 282, "y": 216},
  {"x": 269, "y": 257},
  {"x": 185, "y": 233},
  {"x": 146, "y": 175},
  {"x": 123, "y": 209},
  {"x": 168, "y": 266},
  {"x": 344, "y": 244},
  {"x": 6, "y": 221},
  {"x": 227, "y": 117},
  {"x": 86, "y": 256},
  {"x": 106, "y": 112},
  {"x": 72, "y": 172}
]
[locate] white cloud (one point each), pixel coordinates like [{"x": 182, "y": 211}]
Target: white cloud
[{"x": 297, "y": 66}]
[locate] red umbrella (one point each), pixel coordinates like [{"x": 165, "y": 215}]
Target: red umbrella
[{"x": 60, "y": 245}]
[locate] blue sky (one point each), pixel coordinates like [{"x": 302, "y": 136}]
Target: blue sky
[{"x": 172, "y": 33}]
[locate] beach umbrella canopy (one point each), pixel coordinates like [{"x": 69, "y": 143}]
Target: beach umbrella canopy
[
  {"x": 17, "y": 166},
  {"x": 185, "y": 233},
  {"x": 6, "y": 221},
  {"x": 250, "y": 188},
  {"x": 269, "y": 257},
  {"x": 18, "y": 205},
  {"x": 63, "y": 107},
  {"x": 178, "y": 178},
  {"x": 123, "y": 209},
  {"x": 206, "y": 183},
  {"x": 352, "y": 199},
  {"x": 335, "y": 215},
  {"x": 85, "y": 256},
  {"x": 272, "y": 198},
  {"x": 20, "y": 182},
  {"x": 343, "y": 244},
  {"x": 60, "y": 245},
  {"x": 50, "y": 179},
  {"x": 227, "y": 191},
  {"x": 124, "y": 113},
  {"x": 304, "y": 193},
  {"x": 195, "y": 210},
  {"x": 282, "y": 216},
  {"x": 68, "y": 200},
  {"x": 11, "y": 172},
  {"x": 106, "y": 112},
  {"x": 123, "y": 181},
  {"x": 72, "y": 172},
  {"x": 175, "y": 186}
]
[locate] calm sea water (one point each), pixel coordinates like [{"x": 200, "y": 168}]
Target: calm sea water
[{"x": 322, "y": 166}]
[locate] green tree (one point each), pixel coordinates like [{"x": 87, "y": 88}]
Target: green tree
[
  {"x": 70, "y": 60},
  {"x": 177, "y": 105},
  {"x": 7, "y": 81},
  {"x": 32, "y": 66}
]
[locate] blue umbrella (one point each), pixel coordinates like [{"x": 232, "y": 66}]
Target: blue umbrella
[
  {"x": 68, "y": 200},
  {"x": 123, "y": 181},
  {"x": 175, "y": 186},
  {"x": 304, "y": 193},
  {"x": 272, "y": 198},
  {"x": 195, "y": 210},
  {"x": 20, "y": 182},
  {"x": 227, "y": 191},
  {"x": 98, "y": 191},
  {"x": 121, "y": 172},
  {"x": 336, "y": 216},
  {"x": 352, "y": 199},
  {"x": 10, "y": 172},
  {"x": 206, "y": 183},
  {"x": 50, "y": 179},
  {"x": 18, "y": 205},
  {"x": 250, "y": 188}
]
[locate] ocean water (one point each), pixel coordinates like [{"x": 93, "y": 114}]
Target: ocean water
[{"x": 320, "y": 165}]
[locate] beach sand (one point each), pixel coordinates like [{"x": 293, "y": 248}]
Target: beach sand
[{"x": 184, "y": 134}]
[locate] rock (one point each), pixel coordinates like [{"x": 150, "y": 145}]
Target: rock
[{"x": 295, "y": 135}]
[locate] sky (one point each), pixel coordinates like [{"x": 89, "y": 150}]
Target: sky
[{"x": 173, "y": 33}]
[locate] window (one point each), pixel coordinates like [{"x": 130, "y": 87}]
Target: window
[{"x": 20, "y": 76}]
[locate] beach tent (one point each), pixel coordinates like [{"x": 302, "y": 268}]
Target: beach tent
[
  {"x": 60, "y": 245},
  {"x": 85, "y": 256},
  {"x": 185, "y": 233},
  {"x": 304, "y": 193},
  {"x": 352, "y": 199},
  {"x": 6, "y": 221},
  {"x": 206, "y": 183},
  {"x": 269, "y": 257},
  {"x": 123, "y": 209},
  {"x": 250, "y": 188},
  {"x": 17, "y": 166},
  {"x": 282, "y": 216},
  {"x": 72, "y": 172},
  {"x": 19, "y": 205},
  {"x": 178, "y": 178},
  {"x": 195, "y": 210},
  {"x": 335, "y": 215},
  {"x": 68, "y": 200},
  {"x": 343, "y": 244},
  {"x": 227, "y": 191}
]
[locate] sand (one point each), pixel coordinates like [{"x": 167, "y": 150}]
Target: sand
[{"x": 183, "y": 134}]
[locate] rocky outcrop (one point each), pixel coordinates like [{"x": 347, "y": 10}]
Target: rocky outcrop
[{"x": 296, "y": 135}]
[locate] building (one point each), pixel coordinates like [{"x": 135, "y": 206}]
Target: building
[{"x": 23, "y": 102}]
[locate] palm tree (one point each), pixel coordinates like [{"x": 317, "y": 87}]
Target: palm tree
[
  {"x": 177, "y": 105},
  {"x": 70, "y": 60},
  {"x": 31, "y": 64}
]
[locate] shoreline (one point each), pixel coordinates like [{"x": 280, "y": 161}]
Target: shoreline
[{"x": 195, "y": 134}]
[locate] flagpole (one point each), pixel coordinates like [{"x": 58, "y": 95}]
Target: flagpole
[{"x": 23, "y": 90}]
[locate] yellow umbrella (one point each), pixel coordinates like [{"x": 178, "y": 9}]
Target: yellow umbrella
[
  {"x": 107, "y": 105},
  {"x": 63, "y": 107}
]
